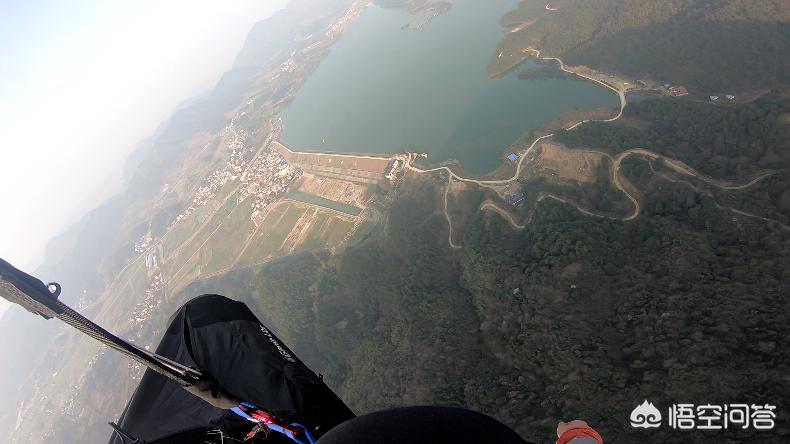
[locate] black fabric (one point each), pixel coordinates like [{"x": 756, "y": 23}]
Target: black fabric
[
  {"x": 225, "y": 340},
  {"x": 422, "y": 425}
]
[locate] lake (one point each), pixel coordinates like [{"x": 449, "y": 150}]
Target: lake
[{"x": 383, "y": 89}]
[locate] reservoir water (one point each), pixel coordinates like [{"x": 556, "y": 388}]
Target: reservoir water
[{"x": 384, "y": 89}]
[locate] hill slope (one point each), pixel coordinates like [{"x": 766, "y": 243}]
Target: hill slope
[{"x": 707, "y": 45}]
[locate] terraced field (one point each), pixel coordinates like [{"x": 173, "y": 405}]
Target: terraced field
[
  {"x": 326, "y": 231},
  {"x": 223, "y": 247},
  {"x": 271, "y": 237},
  {"x": 222, "y": 235},
  {"x": 182, "y": 231},
  {"x": 184, "y": 255}
]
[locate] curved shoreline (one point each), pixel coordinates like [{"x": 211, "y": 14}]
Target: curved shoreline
[
  {"x": 676, "y": 165},
  {"x": 523, "y": 154}
]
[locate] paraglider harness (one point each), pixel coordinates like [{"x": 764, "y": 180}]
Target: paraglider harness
[{"x": 32, "y": 294}]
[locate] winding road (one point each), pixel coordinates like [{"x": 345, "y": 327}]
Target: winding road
[
  {"x": 618, "y": 181},
  {"x": 674, "y": 165},
  {"x": 453, "y": 245},
  {"x": 489, "y": 204}
]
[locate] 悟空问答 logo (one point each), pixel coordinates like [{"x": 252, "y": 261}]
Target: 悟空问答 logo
[{"x": 645, "y": 416}]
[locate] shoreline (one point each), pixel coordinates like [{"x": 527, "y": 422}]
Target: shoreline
[{"x": 523, "y": 154}]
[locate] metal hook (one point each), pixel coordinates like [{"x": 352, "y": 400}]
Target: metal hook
[{"x": 54, "y": 289}]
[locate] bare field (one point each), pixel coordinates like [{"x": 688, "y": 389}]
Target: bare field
[
  {"x": 336, "y": 232},
  {"x": 292, "y": 226},
  {"x": 324, "y": 231},
  {"x": 224, "y": 235},
  {"x": 317, "y": 228},
  {"x": 581, "y": 167},
  {"x": 130, "y": 287},
  {"x": 335, "y": 189},
  {"x": 222, "y": 249},
  {"x": 184, "y": 252},
  {"x": 182, "y": 231},
  {"x": 300, "y": 227},
  {"x": 272, "y": 233}
]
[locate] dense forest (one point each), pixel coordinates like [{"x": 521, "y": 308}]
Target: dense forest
[
  {"x": 726, "y": 142},
  {"x": 735, "y": 143},
  {"x": 706, "y": 45},
  {"x": 571, "y": 317}
]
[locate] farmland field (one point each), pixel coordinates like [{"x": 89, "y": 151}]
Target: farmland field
[{"x": 270, "y": 238}]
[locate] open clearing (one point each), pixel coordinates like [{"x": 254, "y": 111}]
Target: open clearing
[
  {"x": 326, "y": 231},
  {"x": 179, "y": 234},
  {"x": 350, "y": 193},
  {"x": 291, "y": 226},
  {"x": 579, "y": 166},
  {"x": 185, "y": 252},
  {"x": 222, "y": 248},
  {"x": 271, "y": 236}
]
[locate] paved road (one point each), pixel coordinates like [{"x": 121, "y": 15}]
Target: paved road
[
  {"x": 525, "y": 153},
  {"x": 617, "y": 180},
  {"x": 677, "y": 166}
]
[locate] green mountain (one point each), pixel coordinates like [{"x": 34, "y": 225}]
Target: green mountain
[
  {"x": 572, "y": 316},
  {"x": 706, "y": 45},
  {"x": 569, "y": 306}
]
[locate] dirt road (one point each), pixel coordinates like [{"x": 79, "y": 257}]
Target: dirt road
[
  {"x": 491, "y": 205},
  {"x": 453, "y": 245}
]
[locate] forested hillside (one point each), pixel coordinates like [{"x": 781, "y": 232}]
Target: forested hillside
[
  {"x": 723, "y": 142},
  {"x": 573, "y": 316},
  {"x": 576, "y": 316},
  {"x": 707, "y": 45}
]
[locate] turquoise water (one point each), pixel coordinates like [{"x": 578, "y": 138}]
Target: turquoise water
[{"x": 383, "y": 89}]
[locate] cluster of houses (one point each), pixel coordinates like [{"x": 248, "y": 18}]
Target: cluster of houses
[
  {"x": 142, "y": 312},
  {"x": 514, "y": 198},
  {"x": 143, "y": 243},
  {"x": 393, "y": 166},
  {"x": 266, "y": 179},
  {"x": 680, "y": 91},
  {"x": 151, "y": 263},
  {"x": 674, "y": 91},
  {"x": 289, "y": 65},
  {"x": 152, "y": 298},
  {"x": 334, "y": 29},
  {"x": 235, "y": 139}
]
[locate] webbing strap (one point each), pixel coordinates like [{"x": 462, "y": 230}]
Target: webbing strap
[
  {"x": 30, "y": 293},
  {"x": 20, "y": 288},
  {"x": 171, "y": 369}
]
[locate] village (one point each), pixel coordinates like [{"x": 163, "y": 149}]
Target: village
[
  {"x": 333, "y": 31},
  {"x": 266, "y": 179},
  {"x": 215, "y": 181},
  {"x": 152, "y": 298}
]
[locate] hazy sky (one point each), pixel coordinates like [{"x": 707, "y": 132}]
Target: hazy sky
[{"x": 81, "y": 82}]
